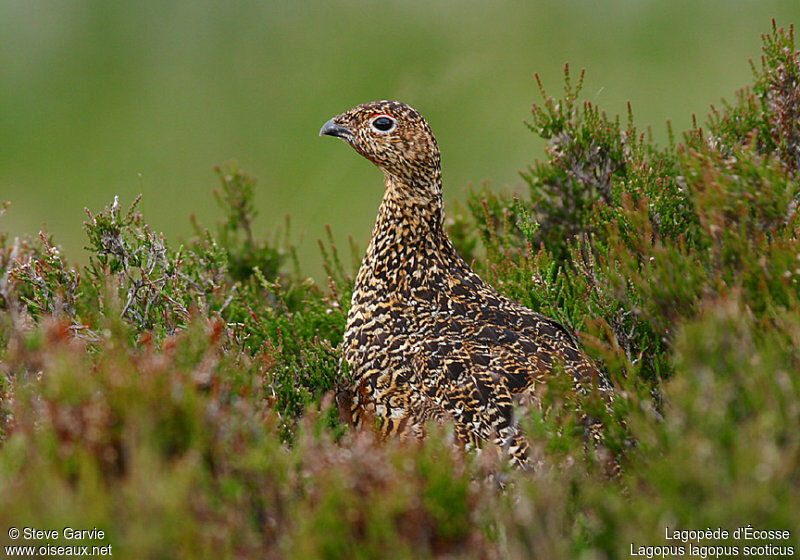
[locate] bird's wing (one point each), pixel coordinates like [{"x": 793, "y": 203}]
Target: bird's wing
[
  {"x": 475, "y": 383},
  {"x": 535, "y": 343}
]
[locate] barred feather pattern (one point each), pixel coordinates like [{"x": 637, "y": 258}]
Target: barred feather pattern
[{"x": 426, "y": 338}]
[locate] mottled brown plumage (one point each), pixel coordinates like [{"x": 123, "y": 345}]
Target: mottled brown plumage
[{"x": 426, "y": 338}]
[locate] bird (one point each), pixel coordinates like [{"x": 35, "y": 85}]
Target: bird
[{"x": 426, "y": 339}]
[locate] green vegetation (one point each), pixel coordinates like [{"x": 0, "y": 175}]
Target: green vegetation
[
  {"x": 182, "y": 398},
  {"x": 142, "y": 96}
]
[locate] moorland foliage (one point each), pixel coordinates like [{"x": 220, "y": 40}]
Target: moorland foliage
[{"x": 179, "y": 396}]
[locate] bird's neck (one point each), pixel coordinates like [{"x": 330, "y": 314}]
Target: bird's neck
[
  {"x": 414, "y": 200},
  {"x": 410, "y": 212},
  {"x": 408, "y": 233}
]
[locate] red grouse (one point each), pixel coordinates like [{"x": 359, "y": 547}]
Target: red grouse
[{"x": 426, "y": 338}]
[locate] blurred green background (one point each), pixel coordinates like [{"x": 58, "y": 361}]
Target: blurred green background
[{"x": 104, "y": 98}]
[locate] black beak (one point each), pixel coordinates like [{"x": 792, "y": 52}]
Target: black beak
[{"x": 332, "y": 129}]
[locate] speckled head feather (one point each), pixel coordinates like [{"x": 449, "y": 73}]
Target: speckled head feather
[
  {"x": 426, "y": 338},
  {"x": 394, "y": 137}
]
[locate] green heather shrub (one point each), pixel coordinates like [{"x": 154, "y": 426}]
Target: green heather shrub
[{"x": 181, "y": 396}]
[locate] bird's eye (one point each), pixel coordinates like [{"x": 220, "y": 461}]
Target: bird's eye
[{"x": 383, "y": 123}]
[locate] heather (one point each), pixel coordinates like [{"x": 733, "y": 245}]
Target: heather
[{"x": 181, "y": 394}]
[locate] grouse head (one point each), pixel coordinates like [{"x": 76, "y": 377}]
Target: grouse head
[{"x": 394, "y": 137}]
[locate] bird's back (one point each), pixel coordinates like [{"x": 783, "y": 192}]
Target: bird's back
[{"x": 426, "y": 339}]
